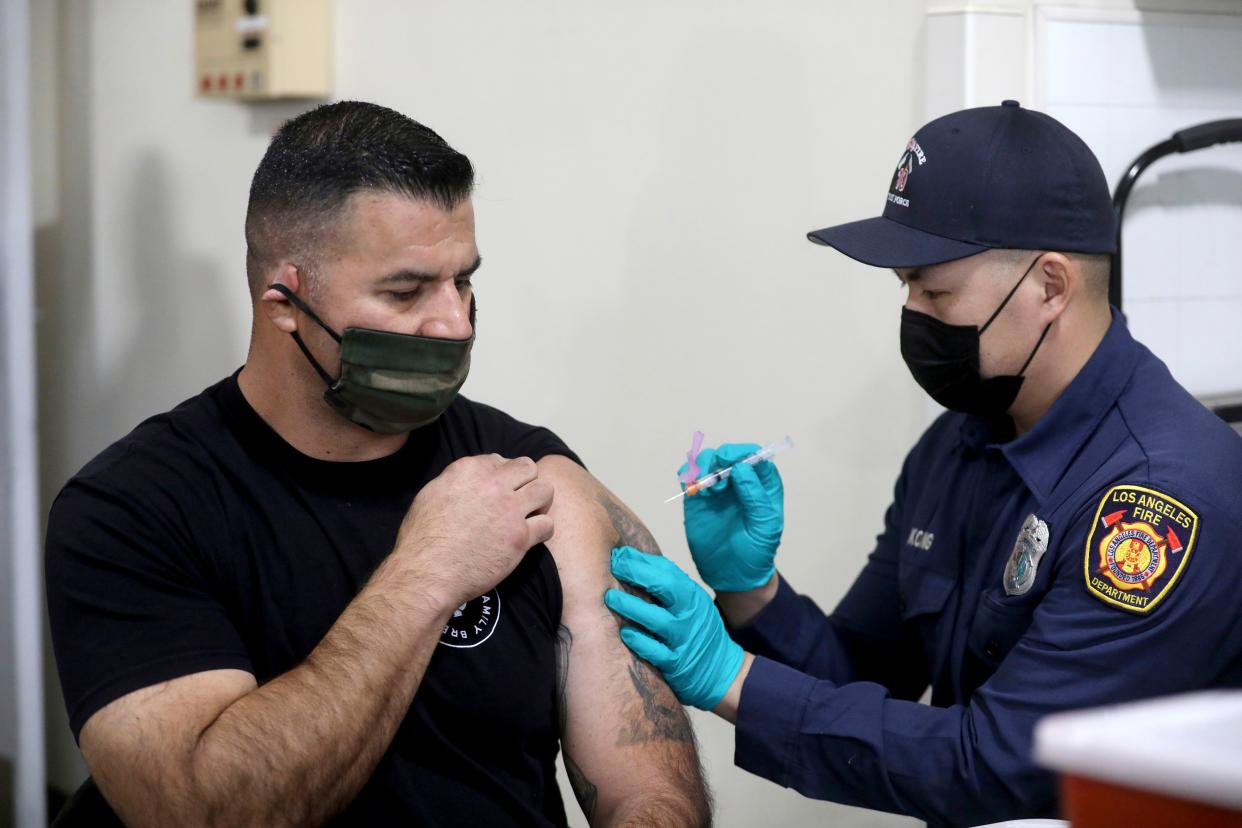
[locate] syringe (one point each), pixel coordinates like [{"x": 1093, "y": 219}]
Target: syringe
[{"x": 765, "y": 453}]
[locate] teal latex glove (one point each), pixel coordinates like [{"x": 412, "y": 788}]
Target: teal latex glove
[
  {"x": 683, "y": 636},
  {"x": 734, "y": 527}
]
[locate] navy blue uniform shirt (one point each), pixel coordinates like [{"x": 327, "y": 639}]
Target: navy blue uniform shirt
[{"x": 1132, "y": 492}]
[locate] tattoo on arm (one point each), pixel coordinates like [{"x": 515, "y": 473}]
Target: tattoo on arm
[
  {"x": 630, "y": 531},
  {"x": 661, "y": 720},
  {"x": 661, "y": 717},
  {"x": 654, "y": 723},
  {"x": 564, "y": 643},
  {"x": 585, "y": 791}
]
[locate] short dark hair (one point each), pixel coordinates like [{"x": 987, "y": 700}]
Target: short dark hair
[
  {"x": 1095, "y": 268},
  {"x": 317, "y": 160}
]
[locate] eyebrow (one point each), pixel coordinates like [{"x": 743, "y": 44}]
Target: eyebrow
[
  {"x": 407, "y": 276},
  {"x": 913, "y": 276}
]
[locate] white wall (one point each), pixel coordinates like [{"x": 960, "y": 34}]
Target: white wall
[
  {"x": 22, "y": 796},
  {"x": 648, "y": 171},
  {"x": 1138, "y": 78}
]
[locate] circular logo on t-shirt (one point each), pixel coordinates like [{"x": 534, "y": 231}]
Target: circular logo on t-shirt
[{"x": 473, "y": 622}]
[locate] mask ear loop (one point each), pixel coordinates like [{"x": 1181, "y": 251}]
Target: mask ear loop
[
  {"x": 1047, "y": 328},
  {"x": 302, "y": 306},
  {"x": 1012, "y": 291}
]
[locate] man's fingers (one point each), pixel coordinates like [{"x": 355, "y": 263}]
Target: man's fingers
[
  {"x": 537, "y": 495},
  {"x": 539, "y": 529},
  {"x": 648, "y": 649},
  {"x": 518, "y": 472},
  {"x": 644, "y": 613}
]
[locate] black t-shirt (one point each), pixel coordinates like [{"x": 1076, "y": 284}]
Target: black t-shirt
[{"x": 202, "y": 540}]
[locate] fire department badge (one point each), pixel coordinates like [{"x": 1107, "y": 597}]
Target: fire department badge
[
  {"x": 1138, "y": 546},
  {"x": 1028, "y": 550}
]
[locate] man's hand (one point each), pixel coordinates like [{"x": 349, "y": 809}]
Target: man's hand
[
  {"x": 734, "y": 527},
  {"x": 683, "y": 636},
  {"x": 469, "y": 528}
]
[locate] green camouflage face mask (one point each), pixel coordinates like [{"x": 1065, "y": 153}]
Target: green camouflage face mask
[{"x": 391, "y": 382}]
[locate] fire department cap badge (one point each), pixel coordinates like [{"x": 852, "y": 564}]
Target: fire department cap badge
[
  {"x": 1028, "y": 549},
  {"x": 1138, "y": 545}
]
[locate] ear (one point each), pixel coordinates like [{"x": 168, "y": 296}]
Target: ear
[
  {"x": 274, "y": 303},
  {"x": 1060, "y": 278}
]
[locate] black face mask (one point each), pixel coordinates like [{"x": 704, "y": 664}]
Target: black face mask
[{"x": 944, "y": 360}]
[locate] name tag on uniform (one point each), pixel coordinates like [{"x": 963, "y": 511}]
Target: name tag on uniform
[{"x": 921, "y": 539}]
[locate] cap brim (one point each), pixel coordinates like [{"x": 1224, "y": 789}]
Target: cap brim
[{"x": 882, "y": 242}]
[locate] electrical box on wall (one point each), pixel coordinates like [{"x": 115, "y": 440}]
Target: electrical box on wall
[{"x": 261, "y": 50}]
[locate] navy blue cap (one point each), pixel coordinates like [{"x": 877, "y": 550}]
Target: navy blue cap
[{"x": 992, "y": 177}]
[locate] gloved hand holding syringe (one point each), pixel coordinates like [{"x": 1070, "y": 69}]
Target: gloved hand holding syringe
[
  {"x": 733, "y": 532},
  {"x": 709, "y": 480}
]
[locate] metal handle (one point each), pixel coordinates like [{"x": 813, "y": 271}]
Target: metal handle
[
  {"x": 1189, "y": 139},
  {"x": 1205, "y": 135}
]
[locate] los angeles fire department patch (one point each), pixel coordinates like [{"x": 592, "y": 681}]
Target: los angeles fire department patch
[{"x": 1138, "y": 546}]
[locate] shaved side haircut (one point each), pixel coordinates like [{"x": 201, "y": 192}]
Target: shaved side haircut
[
  {"x": 317, "y": 160},
  {"x": 1095, "y": 268}
]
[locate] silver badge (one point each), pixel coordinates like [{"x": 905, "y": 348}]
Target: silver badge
[{"x": 1028, "y": 549}]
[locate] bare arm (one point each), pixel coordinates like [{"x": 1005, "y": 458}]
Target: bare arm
[
  {"x": 629, "y": 749},
  {"x": 215, "y": 749},
  {"x": 212, "y": 748}
]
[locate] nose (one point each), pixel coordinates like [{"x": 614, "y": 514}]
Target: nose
[
  {"x": 447, "y": 312},
  {"x": 914, "y": 302}
]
